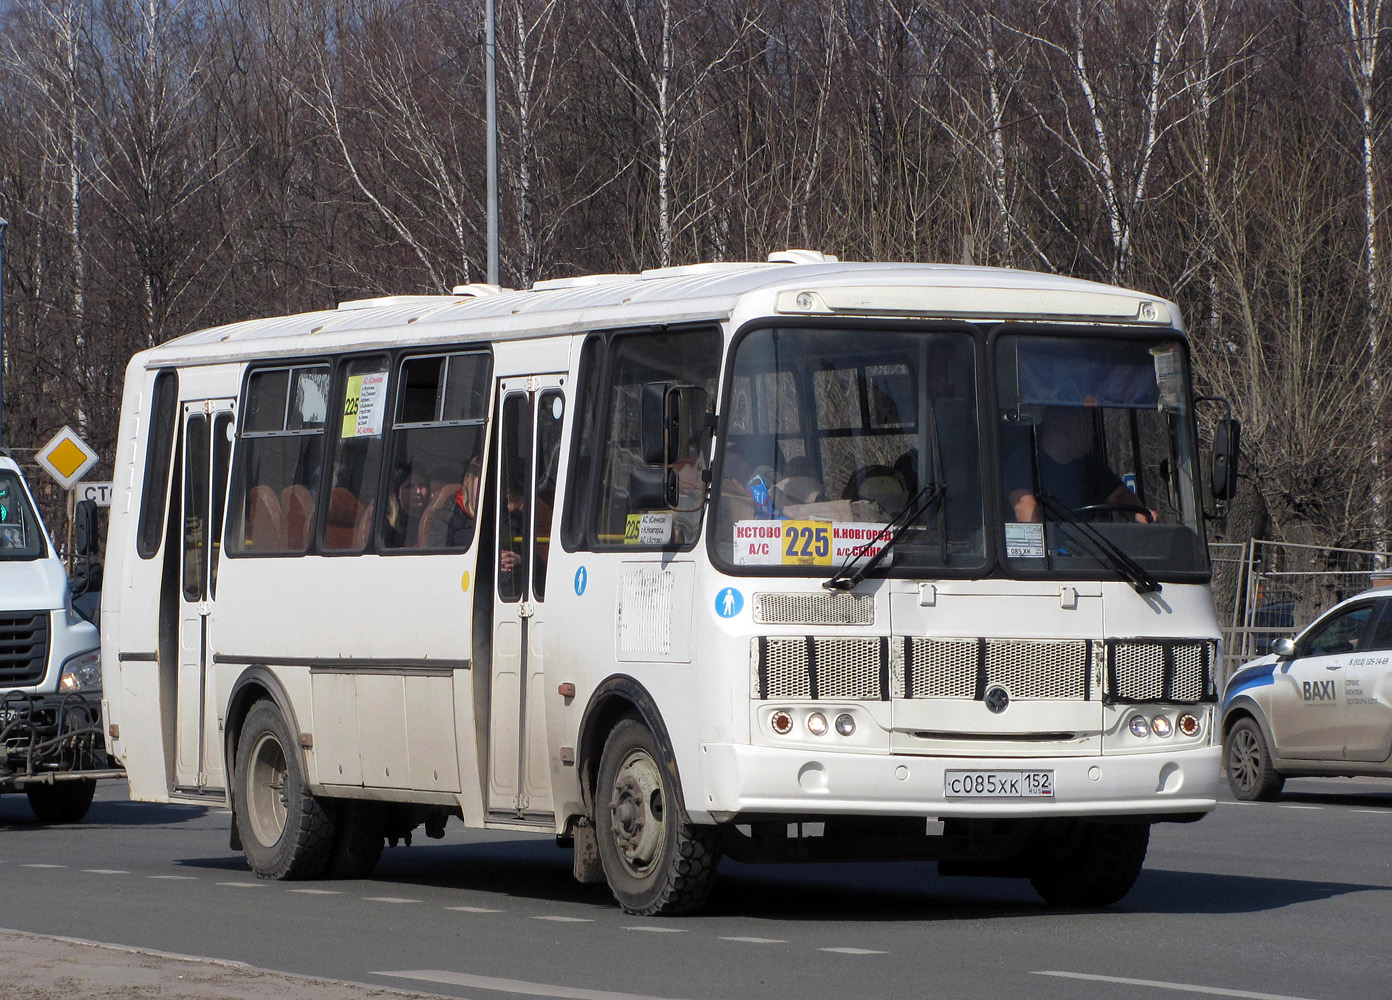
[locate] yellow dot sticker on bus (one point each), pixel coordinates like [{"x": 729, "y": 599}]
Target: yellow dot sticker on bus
[{"x": 464, "y": 581}]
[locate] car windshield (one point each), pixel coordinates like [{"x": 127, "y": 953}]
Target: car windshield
[
  {"x": 832, "y": 434},
  {"x": 21, "y": 536},
  {"x": 1096, "y": 456}
]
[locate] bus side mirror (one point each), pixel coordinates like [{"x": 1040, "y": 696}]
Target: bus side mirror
[
  {"x": 653, "y": 487},
  {"x": 1227, "y": 436},
  {"x": 672, "y": 416},
  {"x": 85, "y": 528}
]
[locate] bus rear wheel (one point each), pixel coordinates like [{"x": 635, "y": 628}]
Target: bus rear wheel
[
  {"x": 656, "y": 861},
  {"x": 286, "y": 832},
  {"x": 62, "y": 801},
  {"x": 1088, "y": 865}
]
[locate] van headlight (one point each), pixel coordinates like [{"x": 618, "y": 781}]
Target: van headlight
[{"x": 81, "y": 673}]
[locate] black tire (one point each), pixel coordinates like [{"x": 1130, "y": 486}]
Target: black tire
[
  {"x": 656, "y": 861},
  {"x": 286, "y": 832},
  {"x": 1247, "y": 759},
  {"x": 62, "y": 801},
  {"x": 1090, "y": 864},
  {"x": 359, "y": 841}
]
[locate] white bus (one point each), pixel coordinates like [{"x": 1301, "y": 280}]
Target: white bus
[{"x": 779, "y": 560}]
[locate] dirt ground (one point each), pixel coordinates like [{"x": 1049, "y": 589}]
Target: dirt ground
[{"x": 46, "y": 968}]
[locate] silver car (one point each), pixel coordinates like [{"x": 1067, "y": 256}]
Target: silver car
[{"x": 1320, "y": 704}]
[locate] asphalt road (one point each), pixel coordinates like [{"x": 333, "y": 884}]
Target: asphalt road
[{"x": 1286, "y": 900}]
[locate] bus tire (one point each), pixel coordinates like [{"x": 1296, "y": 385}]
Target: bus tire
[
  {"x": 359, "y": 841},
  {"x": 1247, "y": 759},
  {"x": 656, "y": 861},
  {"x": 1091, "y": 865},
  {"x": 286, "y": 832},
  {"x": 62, "y": 801}
]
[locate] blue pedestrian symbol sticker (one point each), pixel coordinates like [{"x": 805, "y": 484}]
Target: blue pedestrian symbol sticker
[
  {"x": 581, "y": 578},
  {"x": 729, "y": 602}
]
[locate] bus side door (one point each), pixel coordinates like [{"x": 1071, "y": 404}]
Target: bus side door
[
  {"x": 207, "y": 448},
  {"x": 531, "y": 413}
]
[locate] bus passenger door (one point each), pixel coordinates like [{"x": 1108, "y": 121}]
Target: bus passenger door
[
  {"x": 207, "y": 447},
  {"x": 523, "y": 488}
]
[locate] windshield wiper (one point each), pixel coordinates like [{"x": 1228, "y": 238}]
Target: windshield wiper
[
  {"x": 928, "y": 496},
  {"x": 1137, "y": 575}
]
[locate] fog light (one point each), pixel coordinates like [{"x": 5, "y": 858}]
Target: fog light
[
  {"x": 1189, "y": 724},
  {"x": 1140, "y": 726},
  {"x": 782, "y": 723},
  {"x": 817, "y": 724},
  {"x": 1161, "y": 726},
  {"x": 845, "y": 724}
]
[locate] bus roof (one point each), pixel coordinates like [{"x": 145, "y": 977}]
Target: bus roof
[{"x": 794, "y": 283}]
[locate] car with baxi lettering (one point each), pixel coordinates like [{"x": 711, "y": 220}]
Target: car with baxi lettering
[{"x": 1316, "y": 705}]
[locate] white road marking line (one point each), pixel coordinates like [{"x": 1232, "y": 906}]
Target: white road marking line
[
  {"x": 104, "y": 871},
  {"x": 755, "y": 940},
  {"x": 1181, "y": 987},
  {"x": 567, "y": 920},
  {"x": 473, "y": 909},
  {"x": 318, "y": 892},
  {"x": 243, "y": 885},
  {"x": 853, "y": 951},
  {"x": 43, "y": 866},
  {"x": 657, "y": 930},
  {"x": 181, "y": 878},
  {"x": 389, "y": 899},
  {"x": 1375, "y": 812},
  {"x": 511, "y": 985},
  {"x": 1293, "y": 805}
]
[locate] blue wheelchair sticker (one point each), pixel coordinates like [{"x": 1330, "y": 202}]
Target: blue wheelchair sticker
[{"x": 729, "y": 602}]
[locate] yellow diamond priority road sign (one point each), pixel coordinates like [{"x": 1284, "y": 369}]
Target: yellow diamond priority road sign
[{"x": 66, "y": 457}]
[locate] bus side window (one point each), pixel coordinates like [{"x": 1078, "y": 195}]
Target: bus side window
[
  {"x": 282, "y": 452},
  {"x": 687, "y": 357},
  {"x": 357, "y": 463}
]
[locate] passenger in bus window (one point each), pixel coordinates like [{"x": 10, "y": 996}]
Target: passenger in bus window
[
  {"x": 404, "y": 509},
  {"x": 1070, "y": 470}
]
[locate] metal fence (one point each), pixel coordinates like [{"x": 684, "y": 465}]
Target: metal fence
[{"x": 1264, "y": 590}]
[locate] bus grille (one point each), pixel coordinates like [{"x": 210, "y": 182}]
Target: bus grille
[
  {"x": 967, "y": 668},
  {"x": 815, "y": 667},
  {"x": 23, "y": 647},
  {"x": 1174, "y": 670},
  {"x": 814, "y": 609}
]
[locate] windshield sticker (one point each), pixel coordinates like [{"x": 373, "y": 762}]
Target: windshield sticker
[
  {"x": 1024, "y": 540},
  {"x": 1167, "y": 375},
  {"x": 805, "y": 543},
  {"x": 364, "y": 405}
]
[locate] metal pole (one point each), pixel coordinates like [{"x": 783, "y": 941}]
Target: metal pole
[
  {"x": 491, "y": 84},
  {"x": 4, "y": 224}
]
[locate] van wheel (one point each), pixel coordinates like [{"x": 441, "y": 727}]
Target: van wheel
[
  {"x": 286, "y": 832},
  {"x": 656, "y": 861},
  {"x": 1251, "y": 775},
  {"x": 1090, "y": 864},
  {"x": 62, "y": 801}
]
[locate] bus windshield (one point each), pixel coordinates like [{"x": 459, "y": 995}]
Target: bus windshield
[
  {"x": 20, "y": 534},
  {"x": 830, "y": 434},
  {"x": 1096, "y": 455},
  {"x": 837, "y": 441}
]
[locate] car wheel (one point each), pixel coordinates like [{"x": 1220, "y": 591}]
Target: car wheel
[
  {"x": 1251, "y": 775},
  {"x": 1091, "y": 865}
]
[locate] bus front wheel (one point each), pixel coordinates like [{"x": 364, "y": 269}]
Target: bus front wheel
[
  {"x": 62, "y": 801},
  {"x": 656, "y": 861},
  {"x": 1087, "y": 865},
  {"x": 286, "y": 832}
]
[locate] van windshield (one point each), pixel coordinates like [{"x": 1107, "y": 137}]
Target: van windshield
[{"x": 21, "y": 536}]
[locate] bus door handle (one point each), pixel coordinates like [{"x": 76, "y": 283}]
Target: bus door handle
[{"x": 526, "y": 609}]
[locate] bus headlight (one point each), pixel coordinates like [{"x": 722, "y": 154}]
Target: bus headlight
[
  {"x": 817, "y": 724},
  {"x": 1189, "y": 724},
  {"x": 1140, "y": 726},
  {"x": 1161, "y": 726},
  {"x": 845, "y": 724},
  {"x": 81, "y": 673},
  {"x": 781, "y": 722}
]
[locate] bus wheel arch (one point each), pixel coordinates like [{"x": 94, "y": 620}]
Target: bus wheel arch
[{"x": 616, "y": 698}]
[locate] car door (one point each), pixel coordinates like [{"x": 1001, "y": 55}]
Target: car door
[
  {"x": 1368, "y": 693},
  {"x": 1307, "y": 701}
]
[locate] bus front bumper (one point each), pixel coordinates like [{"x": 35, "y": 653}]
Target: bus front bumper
[{"x": 742, "y": 780}]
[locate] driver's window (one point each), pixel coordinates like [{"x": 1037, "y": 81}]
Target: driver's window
[{"x": 1341, "y": 634}]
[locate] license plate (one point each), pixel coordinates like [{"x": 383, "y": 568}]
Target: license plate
[{"x": 999, "y": 784}]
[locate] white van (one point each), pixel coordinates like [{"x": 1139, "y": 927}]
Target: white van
[{"x": 51, "y": 744}]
